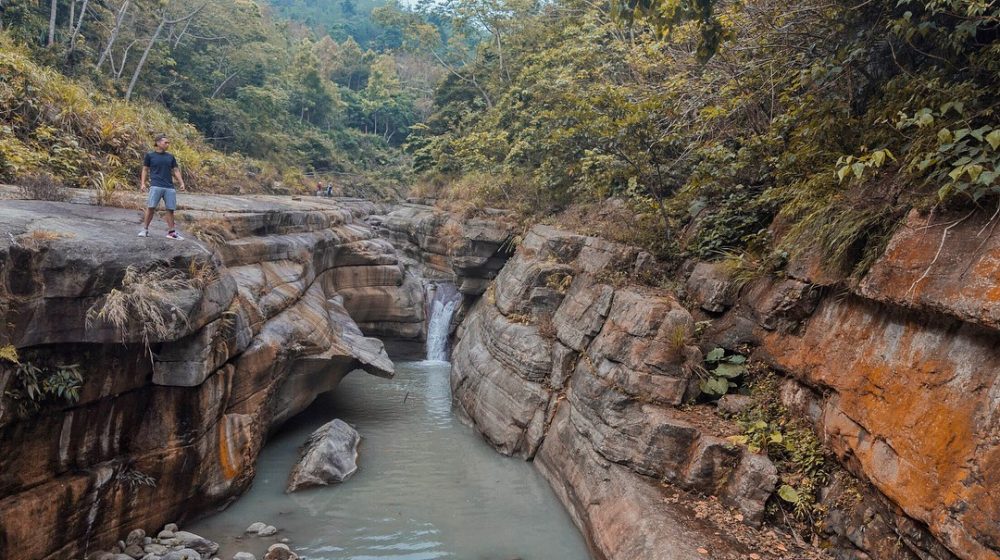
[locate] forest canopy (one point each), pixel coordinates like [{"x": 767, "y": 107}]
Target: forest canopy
[{"x": 715, "y": 128}]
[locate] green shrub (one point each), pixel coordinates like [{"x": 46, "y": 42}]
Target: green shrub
[{"x": 32, "y": 386}]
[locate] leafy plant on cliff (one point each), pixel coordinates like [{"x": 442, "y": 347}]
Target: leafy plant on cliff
[
  {"x": 812, "y": 129},
  {"x": 800, "y": 457},
  {"x": 31, "y": 386},
  {"x": 8, "y": 353},
  {"x": 721, "y": 371}
]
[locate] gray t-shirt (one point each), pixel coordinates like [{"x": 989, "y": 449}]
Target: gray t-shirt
[{"x": 160, "y": 167}]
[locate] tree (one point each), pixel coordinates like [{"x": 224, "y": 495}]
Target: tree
[
  {"x": 53, "y": 6},
  {"x": 164, "y": 21}
]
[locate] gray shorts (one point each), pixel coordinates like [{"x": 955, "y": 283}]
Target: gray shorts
[{"x": 169, "y": 197}]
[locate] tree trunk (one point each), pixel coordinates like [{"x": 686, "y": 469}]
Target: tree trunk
[
  {"x": 114, "y": 34},
  {"x": 52, "y": 22},
  {"x": 145, "y": 55},
  {"x": 156, "y": 34},
  {"x": 79, "y": 22}
]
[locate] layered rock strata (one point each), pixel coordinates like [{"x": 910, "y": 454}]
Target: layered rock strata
[
  {"x": 468, "y": 252},
  {"x": 222, "y": 337},
  {"x": 898, "y": 371},
  {"x": 557, "y": 364}
]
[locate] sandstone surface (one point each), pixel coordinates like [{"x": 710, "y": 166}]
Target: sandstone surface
[
  {"x": 557, "y": 364},
  {"x": 254, "y": 321},
  {"x": 898, "y": 375}
]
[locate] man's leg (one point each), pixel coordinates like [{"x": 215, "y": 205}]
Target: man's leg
[
  {"x": 155, "y": 195},
  {"x": 170, "y": 203}
]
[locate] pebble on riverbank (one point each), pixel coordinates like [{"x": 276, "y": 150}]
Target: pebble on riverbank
[{"x": 173, "y": 544}]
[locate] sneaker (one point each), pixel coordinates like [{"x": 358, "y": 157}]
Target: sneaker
[
  {"x": 144, "y": 233},
  {"x": 174, "y": 235}
]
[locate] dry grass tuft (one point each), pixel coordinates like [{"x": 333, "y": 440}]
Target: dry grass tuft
[
  {"x": 546, "y": 327},
  {"x": 451, "y": 233},
  {"x": 212, "y": 231},
  {"x": 36, "y": 238},
  {"x": 110, "y": 191},
  {"x": 202, "y": 273},
  {"x": 142, "y": 304},
  {"x": 45, "y": 235}
]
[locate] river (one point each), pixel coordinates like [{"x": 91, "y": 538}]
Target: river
[{"x": 427, "y": 487}]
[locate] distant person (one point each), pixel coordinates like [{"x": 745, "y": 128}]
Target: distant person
[
  {"x": 319, "y": 189},
  {"x": 159, "y": 167},
  {"x": 329, "y": 189}
]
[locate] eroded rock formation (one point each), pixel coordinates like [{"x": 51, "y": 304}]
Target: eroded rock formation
[
  {"x": 558, "y": 364},
  {"x": 898, "y": 371},
  {"x": 468, "y": 252},
  {"x": 254, "y": 320}
]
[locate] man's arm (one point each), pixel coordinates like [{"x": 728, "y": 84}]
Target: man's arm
[
  {"x": 142, "y": 177},
  {"x": 179, "y": 178}
]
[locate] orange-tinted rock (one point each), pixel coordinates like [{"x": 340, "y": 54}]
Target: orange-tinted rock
[
  {"x": 914, "y": 410},
  {"x": 954, "y": 272}
]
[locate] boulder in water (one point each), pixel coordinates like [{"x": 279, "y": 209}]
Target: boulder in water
[
  {"x": 330, "y": 455},
  {"x": 267, "y": 531}
]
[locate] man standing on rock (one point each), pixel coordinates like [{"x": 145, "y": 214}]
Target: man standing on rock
[{"x": 159, "y": 167}]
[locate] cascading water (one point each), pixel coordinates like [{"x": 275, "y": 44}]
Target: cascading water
[{"x": 444, "y": 302}]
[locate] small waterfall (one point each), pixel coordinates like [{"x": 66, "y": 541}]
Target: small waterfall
[{"x": 444, "y": 302}]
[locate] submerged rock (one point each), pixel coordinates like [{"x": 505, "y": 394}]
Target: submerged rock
[{"x": 330, "y": 455}]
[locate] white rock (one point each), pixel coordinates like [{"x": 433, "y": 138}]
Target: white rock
[
  {"x": 330, "y": 455},
  {"x": 255, "y": 527},
  {"x": 183, "y": 554},
  {"x": 172, "y": 527},
  {"x": 195, "y": 542},
  {"x": 244, "y": 556},
  {"x": 267, "y": 531}
]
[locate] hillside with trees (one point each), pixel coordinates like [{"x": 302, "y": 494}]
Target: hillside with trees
[
  {"x": 250, "y": 84},
  {"x": 708, "y": 122}
]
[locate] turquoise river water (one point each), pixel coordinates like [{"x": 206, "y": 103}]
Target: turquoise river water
[{"x": 427, "y": 486}]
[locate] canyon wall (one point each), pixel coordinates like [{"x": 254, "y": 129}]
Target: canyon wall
[
  {"x": 443, "y": 246},
  {"x": 898, "y": 371},
  {"x": 224, "y": 336},
  {"x": 562, "y": 362},
  {"x": 556, "y": 363}
]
